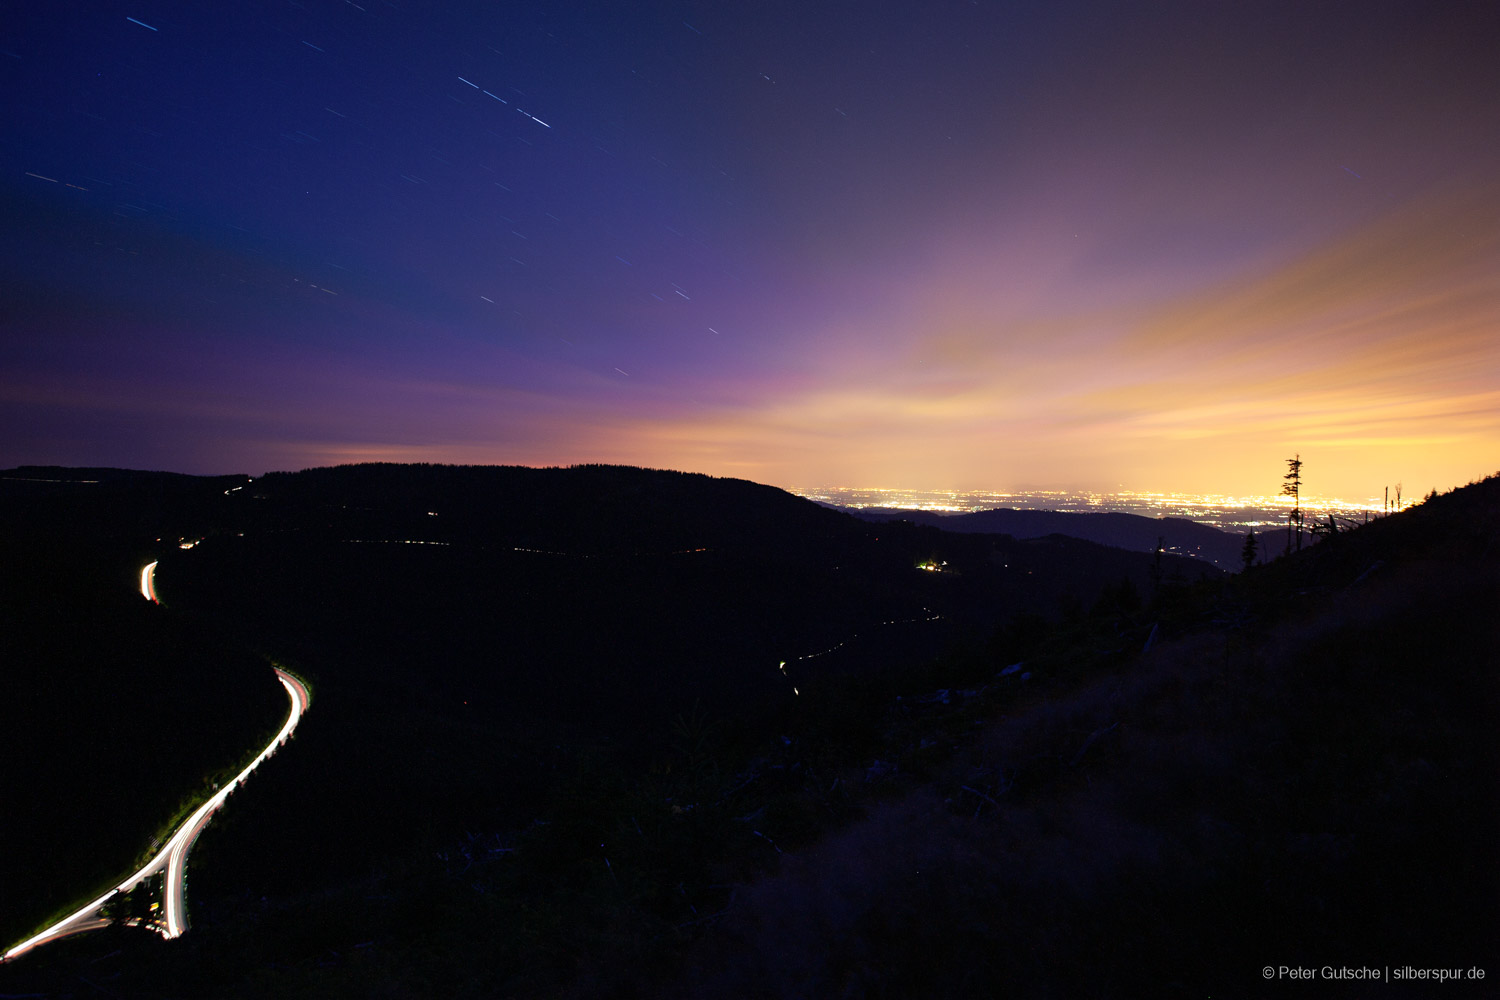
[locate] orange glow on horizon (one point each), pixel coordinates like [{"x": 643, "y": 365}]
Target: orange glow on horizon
[{"x": 1373, "y": 353}]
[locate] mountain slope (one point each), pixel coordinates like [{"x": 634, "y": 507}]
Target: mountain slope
[{"x": 1301, "y": 776}]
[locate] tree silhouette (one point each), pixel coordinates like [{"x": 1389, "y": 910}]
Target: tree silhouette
[
  {"x": 1293, "y": 488},
  {"x": 1329, "y": 530},
  {"x": 1248, "y": 552}
]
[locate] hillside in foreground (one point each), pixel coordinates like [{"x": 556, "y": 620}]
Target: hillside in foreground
[
  {"x": 465, "y": 628},
  {"x": 1158, "y": 789},
  {"x": 1304, "y": 775}
]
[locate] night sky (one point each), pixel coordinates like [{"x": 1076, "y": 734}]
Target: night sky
[{"x": 1159, "y": 246}]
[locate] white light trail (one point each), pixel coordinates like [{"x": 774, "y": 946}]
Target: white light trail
[
  {"x": 172, "y": 858},
  {"x": 182, "y": 840}
]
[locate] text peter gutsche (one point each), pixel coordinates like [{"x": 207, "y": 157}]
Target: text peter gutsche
[{"x": 1384, "y": 974}]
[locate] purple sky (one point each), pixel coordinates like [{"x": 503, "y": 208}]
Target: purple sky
[{"x": 1161, "y": 246}]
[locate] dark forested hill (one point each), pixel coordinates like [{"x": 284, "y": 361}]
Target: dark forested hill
[
  {"x": 478, "y": 637},
  {"x": 605, "y": 593}
]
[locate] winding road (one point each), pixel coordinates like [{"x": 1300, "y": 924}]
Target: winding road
[{"x": 172, "y": 858}]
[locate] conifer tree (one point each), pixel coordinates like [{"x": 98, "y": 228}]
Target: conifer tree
[{"x": 1293, "y": 488}]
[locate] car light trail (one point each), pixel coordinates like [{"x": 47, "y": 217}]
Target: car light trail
[
  {"x": 172, "y": 858},
  {"x": 182, "y": 841},
  {"x": 148, "y": 583}
]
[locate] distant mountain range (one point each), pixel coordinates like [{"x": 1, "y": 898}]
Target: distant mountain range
[{"x": 1124, "y": 531}]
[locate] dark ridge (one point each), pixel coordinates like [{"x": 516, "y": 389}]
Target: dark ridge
[{"x": 89, "y": 475}]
